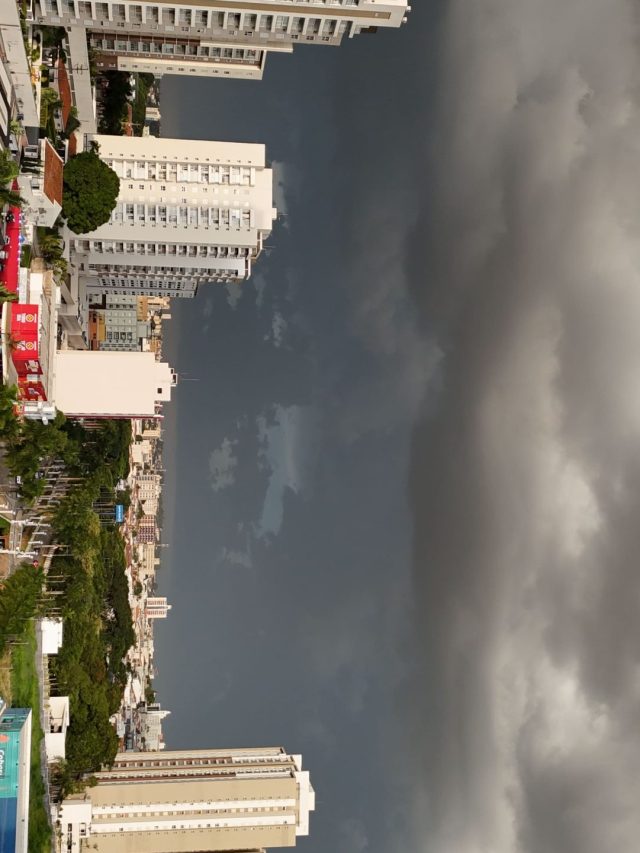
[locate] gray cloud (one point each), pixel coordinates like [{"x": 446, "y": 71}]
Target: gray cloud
[{"x": 525, "y": 482}]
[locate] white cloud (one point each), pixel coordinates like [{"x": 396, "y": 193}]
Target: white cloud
[
  {"x": 234, "y": 295},
  {"x": 286, "y": 182},
  {"x": 207, "y": 309},
  {"x": 288, "y": 452},
  {"x": 353, "y": 836},
  {"x": 237, "y": 557},
  {"x": 222, "y": 465},
  {"x": 259, "y": 283},
  {"x": 278, "y": 329}
]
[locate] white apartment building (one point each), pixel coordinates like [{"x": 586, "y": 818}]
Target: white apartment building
[
  {"x": 214, "y": 37},
  {"x": 195, "y": 800},
  {"x": 188, "y": 213},
  {"x": 156, "y": 607},
  {"x": 149, "y": 487}
]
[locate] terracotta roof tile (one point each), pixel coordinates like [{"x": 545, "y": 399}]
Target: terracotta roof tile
[
  {"x": 53, "y": 166},
  {"x": 64, "y": 87}
]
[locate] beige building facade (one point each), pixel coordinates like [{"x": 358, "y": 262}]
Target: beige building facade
[
  {"x": 197, "y": 800},
  {"x": 111, "y": 384},
  {"x": 226, "y": 38}
]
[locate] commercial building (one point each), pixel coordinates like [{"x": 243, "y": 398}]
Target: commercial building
[
  {"x": 197, "y": 800},
  {"x": 111, "y": 384},
  {"x": 115, "y": 324},
  {"x": 30, "y": 333},
  {"x": 188, "y": 212},
  {"x": 220, "y": 38},
  {"x": 15, "y": 764}
]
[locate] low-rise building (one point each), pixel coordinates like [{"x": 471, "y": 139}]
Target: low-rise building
[
  {"x": 51, "y": 636},
  {"x": 40, "y": 183},
  {"x": 111, "y": 384},
  {"x": 55, "y": 725}
]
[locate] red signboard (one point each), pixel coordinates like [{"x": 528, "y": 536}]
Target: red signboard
[
  {"x": 24, "y": 321},
  {"x": 24, "y": 338},
  {"x": 31, "y": 389}
]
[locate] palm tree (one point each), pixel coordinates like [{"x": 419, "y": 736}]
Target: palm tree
[
  {"x": 7, "y": 295},
  {"x": 8, "y": 167},
  {"x": 50, "y": 246},
  {"x": 10, "y": 197}
]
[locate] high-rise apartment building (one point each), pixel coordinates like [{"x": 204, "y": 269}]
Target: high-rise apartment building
[
  {"x": 214, "y": 37},
  {"x": 198, "y": 800},
  {"x": 188, "y": 212}
]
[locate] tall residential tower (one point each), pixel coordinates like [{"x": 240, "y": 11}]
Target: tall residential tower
[
  {"x": 187, "y": 213},
  {"x": 213, "y": 37},
  {"x": 198, "y": 800}
]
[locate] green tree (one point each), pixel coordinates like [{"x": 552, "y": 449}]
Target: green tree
[
  {"x": 9, "y": 424},
  {"x": 10, "y": 197},
  {"x": 8, "y": 167},
  {"x": 50, "y": 245},
  {"x": 90, "y": 192},
  {"x": 19, "y": 599}
]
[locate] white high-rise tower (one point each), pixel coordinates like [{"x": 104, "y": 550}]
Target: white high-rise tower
[{"x": 188, "y": 212}]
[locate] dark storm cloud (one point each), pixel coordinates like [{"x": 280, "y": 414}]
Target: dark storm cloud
[{"x": 525, "y": 484}]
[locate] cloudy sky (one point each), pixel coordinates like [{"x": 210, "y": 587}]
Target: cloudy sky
[{"x": 403, "y": 490}]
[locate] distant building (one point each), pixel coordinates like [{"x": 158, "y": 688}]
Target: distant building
[
  {"x": 111, "y": 384},
  {"x": 51, "y": 635},
  {"x": 157, "y": 607},
  {"x": 15, "y": 766},
  {"x": 149, "y": 487},
  {"x": 187, "y": 213},
  {"x": 196, "y": 800},
  {"x": 150, "y": 718},
  {"x": 216, "y": 39},
  {"x": 147, "y": 530}
]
